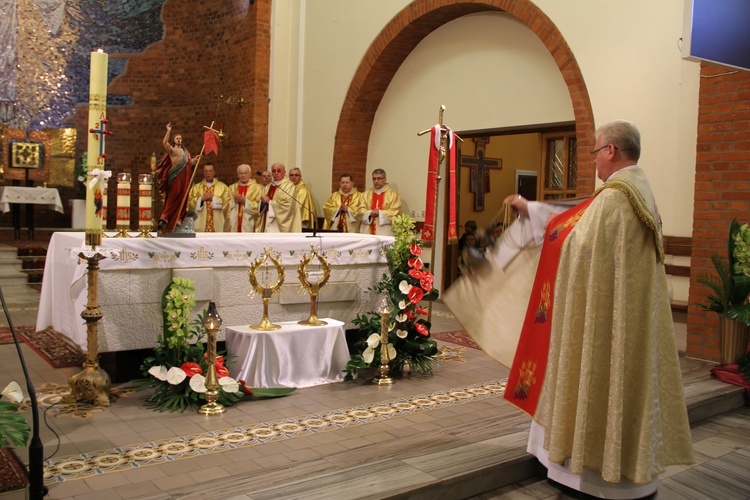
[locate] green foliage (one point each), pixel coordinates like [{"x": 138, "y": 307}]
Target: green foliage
[
  {"x": 14, "y": 429},
  {"x": 731, "y": 284}
]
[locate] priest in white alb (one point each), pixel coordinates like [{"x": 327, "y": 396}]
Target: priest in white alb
[
  {"x": 245, "y": 198},
  {"x": 210, "y": 199},
  {"x": 279, "y": 207},
  {"x": 341, "y": 208},
  {"x": 382, "y": 204}
]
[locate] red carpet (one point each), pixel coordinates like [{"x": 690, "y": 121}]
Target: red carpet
[
  {"x": 7, "y": 338},
  {"x": 12, "y": 474},
  {"x": 52, "y": 346},
  {"x": 459, "y": 337}
]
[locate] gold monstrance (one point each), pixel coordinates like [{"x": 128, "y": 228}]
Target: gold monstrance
[
  {"x": 265, "y": 289},
  {"x": 313, "y": 288}
]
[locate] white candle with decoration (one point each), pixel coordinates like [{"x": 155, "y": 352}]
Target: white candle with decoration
[
  {"x": 123, "y": 201},
  {"x": 95, "y": 185},
  {"x": 105, "y": 197},
  {"x": 144, "y": 201}
]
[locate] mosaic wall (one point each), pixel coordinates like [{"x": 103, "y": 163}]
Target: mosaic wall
[{"x": 44, "y": 53}]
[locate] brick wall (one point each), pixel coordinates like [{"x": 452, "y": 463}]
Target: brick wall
[
  {"x": 722, "y": 188},
  {"x": 209, "y": 49}
]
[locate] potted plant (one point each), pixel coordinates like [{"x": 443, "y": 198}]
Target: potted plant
[{"x": 731, "y": 293}]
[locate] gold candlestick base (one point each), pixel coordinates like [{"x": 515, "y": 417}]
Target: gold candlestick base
[
  {"x": 145, "y": 233},
  {"x": 122, "y": 232},
  {"x": 382, "y": 378},
  {"x": 92, "y": 385},
  {"x": 212, "y": 408}
]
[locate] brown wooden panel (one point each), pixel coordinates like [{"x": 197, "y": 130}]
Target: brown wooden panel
[
  {"x": 678, "y": 245},
  {"x": 682, "y": 271}
]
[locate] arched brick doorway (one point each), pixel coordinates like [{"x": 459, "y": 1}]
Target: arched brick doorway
[{"x": 397, "y": 40}]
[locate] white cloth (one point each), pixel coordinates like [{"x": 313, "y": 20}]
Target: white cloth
[
  {"x": 294, "y": 356},
  {"x": 33, "y": 195},
  {"x": 63, "y": 295},
  {"x": 589, "y": 482}
]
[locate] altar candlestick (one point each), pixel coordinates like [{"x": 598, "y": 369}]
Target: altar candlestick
[
  {"x": 144, "y": 204},
  {"x": 97, "y": 116},
  {"x": 123, "y": 205}
]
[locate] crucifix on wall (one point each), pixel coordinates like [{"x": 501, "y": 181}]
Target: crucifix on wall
[{"x": 479, "y": 171}]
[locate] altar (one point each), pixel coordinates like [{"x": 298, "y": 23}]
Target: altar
[
  {"x": 29, "y": 196},
  {"x": 131, "y": 282}
]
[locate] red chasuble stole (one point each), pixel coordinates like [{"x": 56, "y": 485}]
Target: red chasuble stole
[
  {"x": 377, "y": 202},
  {"x": 209, "y": 210},
  {"x": 242, "y": 191},
  {"x": 530, "y": 363}
]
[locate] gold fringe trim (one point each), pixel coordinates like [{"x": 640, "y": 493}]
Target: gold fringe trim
[{"x": 641, "y": 208}]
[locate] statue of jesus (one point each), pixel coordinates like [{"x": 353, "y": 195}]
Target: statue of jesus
[{"x": 174, "y": 176}]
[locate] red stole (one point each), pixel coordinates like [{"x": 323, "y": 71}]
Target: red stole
[
  {"x": 209, "y": 209},
  {"x": 242, "y": 191},
  {"x": 377, "y": 202},
  {"x": 344, "y": 216},
  {"x": 530, "y": 363}
]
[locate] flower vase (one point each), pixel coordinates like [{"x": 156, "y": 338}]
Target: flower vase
[{"x": 733, "y": 337}]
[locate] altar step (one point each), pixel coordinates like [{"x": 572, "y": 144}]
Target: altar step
[{"x": 476, "y": 453}]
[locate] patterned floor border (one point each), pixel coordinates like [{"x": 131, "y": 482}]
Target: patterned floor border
[{"x": 62, "y": 469}]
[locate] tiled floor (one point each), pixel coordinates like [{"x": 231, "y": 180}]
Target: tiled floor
[{"x": 371, "y": 435}]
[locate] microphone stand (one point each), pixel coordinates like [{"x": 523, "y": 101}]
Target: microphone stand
[
  {"x": 314, "y": 217},
  {"x": 35, "y": 472}
]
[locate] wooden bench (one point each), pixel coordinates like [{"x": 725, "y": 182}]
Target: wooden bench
[{"x": 678, "y": 246}]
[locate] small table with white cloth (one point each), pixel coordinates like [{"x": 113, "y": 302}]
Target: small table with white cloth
[
  {"x": 294, "y": 356},
  {"x": 28, "y": 196}
]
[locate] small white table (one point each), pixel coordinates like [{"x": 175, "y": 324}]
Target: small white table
[
  {"x": 29, "y": 196},
  {"x": 294, "y": 356}
]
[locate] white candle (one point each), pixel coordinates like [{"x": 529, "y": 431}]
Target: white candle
[
  {"x": 123, "y": 200},
  {"x": 144, "y": 201},
  {"x": 97, "y": 114}
]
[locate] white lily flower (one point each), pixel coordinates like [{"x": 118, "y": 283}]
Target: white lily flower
[
  {"x": 402, "y": 334},
  {"x": 373, "y": 341},
  {"x": 401, "y": 318},
  {"x": 175, "y": 375},
  {"x": 198, "y": 383},
  {"x": 402, "y": 305},
  {"x": 159, "y": 372},
  {"x": 404, "y": 286},
  {"x": 13, "y": 392},
  {"x": 228, "y": 384},
  {"x": 391, "y": 352}
]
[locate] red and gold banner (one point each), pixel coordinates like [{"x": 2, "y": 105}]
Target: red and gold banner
[
  {"x": 530, "y": 363},
  {"x": 433, "y": 167}
]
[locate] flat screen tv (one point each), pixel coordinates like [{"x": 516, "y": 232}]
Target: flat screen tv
[{"x": 717, "y": 31}]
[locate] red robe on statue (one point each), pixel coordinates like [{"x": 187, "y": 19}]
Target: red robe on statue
[{"x": 174, "y": 183}]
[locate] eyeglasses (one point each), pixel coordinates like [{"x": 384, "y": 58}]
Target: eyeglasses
[
  {"x": 378, "y": 178},
  {"x": 596, "y": 151}
]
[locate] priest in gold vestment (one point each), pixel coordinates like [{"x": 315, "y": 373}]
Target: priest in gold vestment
[
  {"x": 211, "y": 201},
  {"x": 611, "y": 412},
  {"x": 308, "y": 212},
  {"x": 245, "y": 198},
  {"x": 279, "y": 208},
  {"x": 341, "y": 208},
  {"x": 382, "y": 203}
]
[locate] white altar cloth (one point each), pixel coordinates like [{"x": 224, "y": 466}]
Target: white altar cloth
[
  {"x": 131, "y": 284},
  {"x": 33, "y": 195},
  {"x": 294, "y": 356}
]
